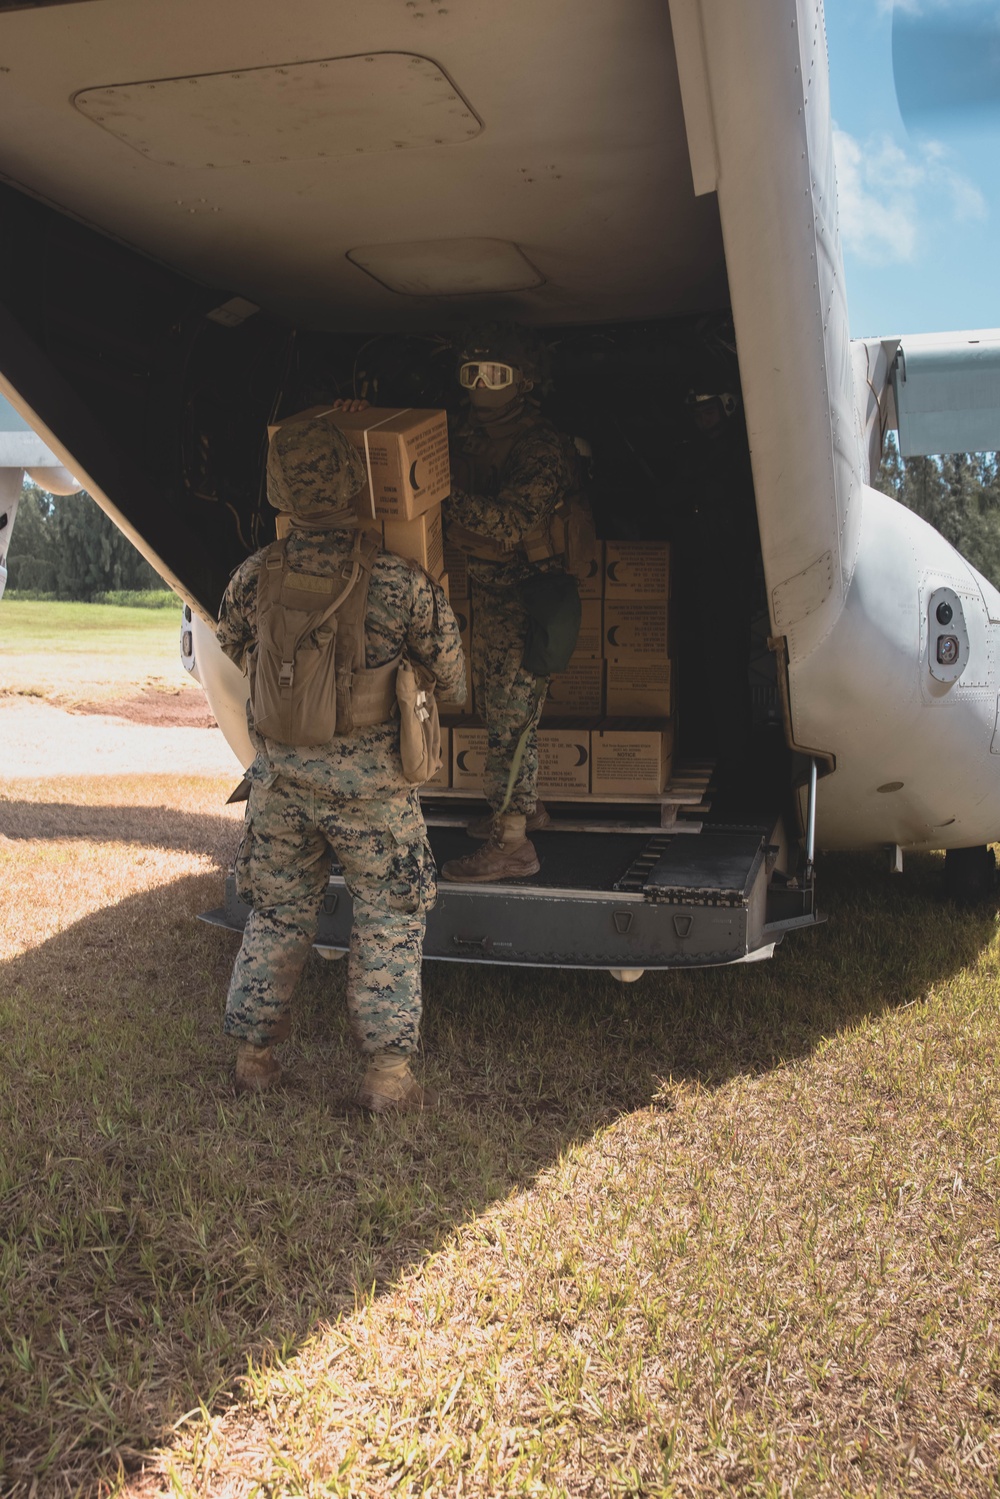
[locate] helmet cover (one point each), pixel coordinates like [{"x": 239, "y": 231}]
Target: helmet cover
[
  {"x": 504, "y": 343},
  {"x": 313, "y": 466}
]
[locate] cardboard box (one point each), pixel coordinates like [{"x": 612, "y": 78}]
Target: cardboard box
[
  {"x": 630, "y": 758},
  {"x": 445, "y": 583},
  {"x": 421, "y": 538},
  {"x": 591, "y": 585},
  {"x": 636, "y": 570},
  {"x": 577, "y": 692},
  {"x": 406, "y": 453},
  {"x": 640, "y": 685},
  {"x": 468, "y": 758},
  {"x": 563, "y": 760},
  {"x": 447, "y": 707},
  {"x": 591, "y": 629},
  {"x": 636, "y": 629},
  {"x": 443, "y": 777},
  {"x": 456, "y": 565}
]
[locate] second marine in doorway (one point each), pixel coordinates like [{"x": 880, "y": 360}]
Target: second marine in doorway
[{"x": 512, "y": 471}]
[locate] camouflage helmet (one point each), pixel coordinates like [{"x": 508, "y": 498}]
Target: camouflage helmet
[
  {"x": 507, "y": 343},
  {"x": 312, "y": 466}
]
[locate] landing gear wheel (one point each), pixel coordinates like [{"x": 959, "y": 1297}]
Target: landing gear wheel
[
  {"x": 970, "y": 874},
  {"x": 626, "y": 975}
]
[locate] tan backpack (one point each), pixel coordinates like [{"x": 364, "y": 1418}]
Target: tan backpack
[{"x": 308, "y": 679}]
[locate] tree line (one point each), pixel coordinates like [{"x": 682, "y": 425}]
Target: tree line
[
  {"x": 957, "y": 493},
  {"x": 66, "y": 547}
]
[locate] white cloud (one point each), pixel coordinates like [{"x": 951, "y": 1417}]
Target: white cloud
[{"x": 888, "y": 196}]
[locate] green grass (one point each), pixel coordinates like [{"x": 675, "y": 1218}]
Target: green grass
[
  {"x": 724, "y": 1231},
  {"x": 48, "y": 649},
  {"x": 40, "y": 625}
]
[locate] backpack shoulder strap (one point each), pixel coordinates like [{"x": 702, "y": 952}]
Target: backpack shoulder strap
[
  {"x": 351, "y": 621},
  {"x": 350, "y": 657},
  {"x": 273, "y": 566}
]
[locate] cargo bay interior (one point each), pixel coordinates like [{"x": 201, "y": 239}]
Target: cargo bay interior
[
  {"x": 655, "y": 411},
  {"x": 688, "y": 698},
  {"x": 199, "y": 233}
]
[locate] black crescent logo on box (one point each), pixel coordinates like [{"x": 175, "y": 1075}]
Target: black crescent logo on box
[
  {"x": 611, "y": 635},
  {"x": 611, "y": 571},
  {"x": 413, "y": 475},
  {"x": 460, "y": 761},
  {"x": 584, "y": 757}
]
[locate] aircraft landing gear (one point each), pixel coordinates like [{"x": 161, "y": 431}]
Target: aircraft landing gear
[
  {"x": 626, "y": 975},
  {"x": 970, "y": 874}
]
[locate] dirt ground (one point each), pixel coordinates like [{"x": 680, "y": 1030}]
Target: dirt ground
[
  {"x": 177, "y": 709},
  {"x": 151, "y": 732}
]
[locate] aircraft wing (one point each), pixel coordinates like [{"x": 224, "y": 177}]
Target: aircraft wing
[
  {"x": 946, "y": 392},
  {"x": 21, "y": 451}
]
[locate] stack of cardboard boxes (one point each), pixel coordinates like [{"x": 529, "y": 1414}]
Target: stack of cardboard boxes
[{"x": 606, "y": 730}]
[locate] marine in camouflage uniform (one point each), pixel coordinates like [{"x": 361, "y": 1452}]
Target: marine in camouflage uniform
[
  {"x": 510, "y": 469},
  {"x": 346, "y": 799}
]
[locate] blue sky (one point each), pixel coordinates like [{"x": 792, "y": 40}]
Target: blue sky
[{"x": 920, "y": 200}]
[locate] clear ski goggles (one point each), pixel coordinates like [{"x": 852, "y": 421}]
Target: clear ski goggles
[{"x": 489, "y": 372}]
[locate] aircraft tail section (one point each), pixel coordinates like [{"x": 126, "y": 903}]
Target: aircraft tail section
[{"x": 786, "y": 282}]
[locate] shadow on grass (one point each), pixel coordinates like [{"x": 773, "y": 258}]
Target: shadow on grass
[
  {"x": 157, "y": 827},
  {"x": 161, "y": 1230}
]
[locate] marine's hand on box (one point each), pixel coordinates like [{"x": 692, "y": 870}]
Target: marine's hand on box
[{"x": 341, "y": 405}]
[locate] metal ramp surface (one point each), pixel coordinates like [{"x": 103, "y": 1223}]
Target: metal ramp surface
[{"x": 652, "y": 899}]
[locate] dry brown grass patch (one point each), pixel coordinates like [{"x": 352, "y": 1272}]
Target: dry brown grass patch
[{"x": 729, "y": 1231}]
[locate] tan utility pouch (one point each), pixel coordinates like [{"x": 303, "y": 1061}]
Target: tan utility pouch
[
  {"x": 419, "y": 724},
  {"x": 483, "y": 547},
  {"x": 568, "y": 533},
  {"x": 581, "y": 537}
]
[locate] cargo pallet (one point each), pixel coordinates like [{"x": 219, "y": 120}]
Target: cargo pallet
[{"x": 674, "y": 808}]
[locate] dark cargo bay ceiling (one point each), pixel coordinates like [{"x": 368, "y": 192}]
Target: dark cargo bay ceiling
[{"x": 525, "y": 158}]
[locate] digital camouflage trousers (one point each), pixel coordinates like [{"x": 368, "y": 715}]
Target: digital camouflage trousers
[
  {"x": 292, "y": 835},
  {"x": 505, "y": 694}
]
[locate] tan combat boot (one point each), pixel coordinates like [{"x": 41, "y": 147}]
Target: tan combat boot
[
  {"x": 390, "y": 1086},
  {"x": 535, "y": 821},
  {"x": 508, "y": 855},
  {"x": 256, "y": 1068}
]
